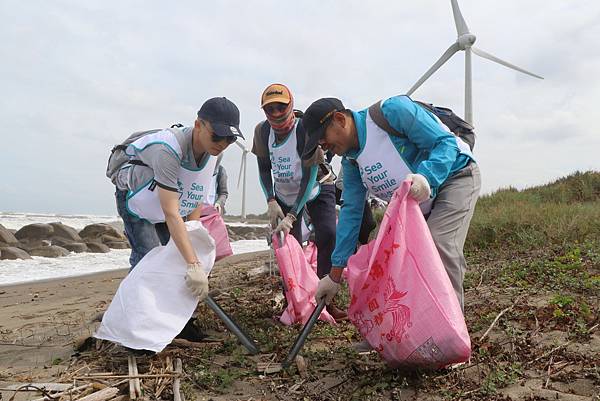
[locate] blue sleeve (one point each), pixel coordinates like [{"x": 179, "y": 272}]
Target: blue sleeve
[
  {"x": 346, "y": 235},
  {"x": 427, "y": 135},
  {"x": 309, "y": 176}
]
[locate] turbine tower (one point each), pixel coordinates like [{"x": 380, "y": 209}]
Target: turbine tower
[
  {"x": 242, "y": 175},
  {"x": 465, "y": 42}
]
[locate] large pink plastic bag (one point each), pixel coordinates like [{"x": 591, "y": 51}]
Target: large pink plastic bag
[
  {"x": 402, "y": 300},
  {"x": 300, "y": 282},
  {"x": 217, "y": 229}
]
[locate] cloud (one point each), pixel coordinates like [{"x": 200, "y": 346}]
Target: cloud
[{"x": 81, "y": 77}]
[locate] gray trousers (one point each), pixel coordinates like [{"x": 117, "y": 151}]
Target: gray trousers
[{"x": 449, "y": 222}]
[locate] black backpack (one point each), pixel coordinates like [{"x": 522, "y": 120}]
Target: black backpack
[
  {"x": 118, "y": 158},
  {"x": 457, "y": 125}
]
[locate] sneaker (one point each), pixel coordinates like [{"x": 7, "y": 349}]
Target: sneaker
[{"x": 191, "y": 332}]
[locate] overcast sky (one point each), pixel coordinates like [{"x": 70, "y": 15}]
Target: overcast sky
[{"x": 78, "y": 77}]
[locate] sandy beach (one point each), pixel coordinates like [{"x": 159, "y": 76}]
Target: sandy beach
[{"x": 40, "y": 322}]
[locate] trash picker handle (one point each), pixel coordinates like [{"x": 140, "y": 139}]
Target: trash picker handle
[
  {"x": 304, "y": 333},
  {"x": 232, "y": 326}
]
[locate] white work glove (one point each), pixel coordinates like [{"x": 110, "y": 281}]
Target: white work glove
[
  {"x": 327, "y": 289},
  {"x": 219, "y": 208},
  {"x": 419, "y": 189},
  {"x": 196, "y": 280},
  {"x": 286, "y": 224},
  {"x": 274, "y": 211}
]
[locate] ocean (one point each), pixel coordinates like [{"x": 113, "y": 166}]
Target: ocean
[{"x": 76, "y": 264}]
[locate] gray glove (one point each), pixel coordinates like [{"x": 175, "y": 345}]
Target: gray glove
[
  {"x": 286, "y": 224},
  {"x": 419, "y": 189},
  {"x": 274, "y": 211},
  {"x": 196, "y": 280},
  {"x": 327, "y": 289}
]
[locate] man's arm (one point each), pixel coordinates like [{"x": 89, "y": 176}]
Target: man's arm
[
  {"x": 425, "y": 132},
  {"x": 346, "y": 235},
  {"x": 265, "y": 178},
  {"x": 307, "y": 183},
  {"x": 222, "y": 190},
  {"x": 261, "y": 150}
]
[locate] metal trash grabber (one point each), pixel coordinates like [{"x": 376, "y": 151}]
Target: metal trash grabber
[
  {"x": 304, "y": 333},
  {"x": 232, "y": 326}
]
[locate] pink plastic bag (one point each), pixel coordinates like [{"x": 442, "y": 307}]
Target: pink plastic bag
[
  {"x": 217, "y": 229},
  {"x": 402, "y": 300},
  {"x": 300, "y": 282}
]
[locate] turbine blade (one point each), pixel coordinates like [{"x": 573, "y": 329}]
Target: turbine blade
[
  {"x": 495, "y": 59},
  {"x": 447, "y": 54},
  {"x": 459, "y": 21}
]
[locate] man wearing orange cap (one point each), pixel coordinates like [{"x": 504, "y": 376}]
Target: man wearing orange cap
[{"x": 289, "y": 182}]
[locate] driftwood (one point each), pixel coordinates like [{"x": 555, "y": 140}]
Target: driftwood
[
  {"x": 176, "y": 381},
  {"x": 120, "y": 398},
  {"x": 67, "y": 392},
  {"x": 134, "y": 381},
  {"x": 45, "y": 386},
  {"x": 138, "y": 376},
  {"x": 101, "y": 395}
]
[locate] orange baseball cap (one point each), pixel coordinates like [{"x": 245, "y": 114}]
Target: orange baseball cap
[{"x": 275, "y": 93}]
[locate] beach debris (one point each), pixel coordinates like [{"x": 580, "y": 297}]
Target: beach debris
[
  {"x": 135, "y": 390},
  {"x": 177, "y": 381},
  {"x": 50, "y": 391},
  {"x": 102, "y": 395},
  {"x": 36, "y": 386},
  {"x": 302, "y": 366},
  {"x": 259, "y": 271},
  {"x": 269, "y": 367}
]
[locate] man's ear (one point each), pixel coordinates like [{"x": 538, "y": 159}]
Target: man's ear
[
  {"x": 340, "y": 119},
  {"x": 197, "y": 123}
]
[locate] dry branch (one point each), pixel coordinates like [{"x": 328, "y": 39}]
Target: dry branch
[{"x": 101, "y": 395}]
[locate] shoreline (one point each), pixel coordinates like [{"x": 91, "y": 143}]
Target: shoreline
[
  {"x": 110, "y": 274},
  {"x": 41, "y": 282}
]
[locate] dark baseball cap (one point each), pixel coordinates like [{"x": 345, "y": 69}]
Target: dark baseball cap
[
  {"x": 223, "y": 115},
  {"x": 316, "y": 119}
]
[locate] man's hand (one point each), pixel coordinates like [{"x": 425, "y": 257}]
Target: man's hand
[
  {"x": 419, "y": 189},
  {"x": 219, "y": 208},
  {"x": 274, "y": 211},
  {"x": 327, "y": 289},
  {"x": 286, "y": 224},
  {"x": 196, "y": 280}
]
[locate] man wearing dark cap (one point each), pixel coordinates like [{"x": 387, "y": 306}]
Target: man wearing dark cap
[
  {"x": 291, "y": 183},
  {"x": 392, "y": 141},
  {"x": 162, "y": 178}
]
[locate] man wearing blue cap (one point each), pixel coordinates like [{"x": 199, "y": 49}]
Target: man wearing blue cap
[
  {"x": 392, "y": 141},
  {"x": 163, "y": 176}
]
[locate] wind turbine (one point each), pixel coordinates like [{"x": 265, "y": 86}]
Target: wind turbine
[
  {"x": 465, "y": 42},
  {"x": 241, "y": 174}
]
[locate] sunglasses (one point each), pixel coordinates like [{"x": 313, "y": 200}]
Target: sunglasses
[
  {"x": 217, "y": 138},
  {"x": 275, "y": 107},
  {"x": 230, "y": 139}
]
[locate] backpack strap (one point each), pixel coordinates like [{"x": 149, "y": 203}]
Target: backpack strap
[
  {"x": 300, "y": 138},
  {"x": 378, "y": 118},
  {"x": 261, "y": 131}
]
